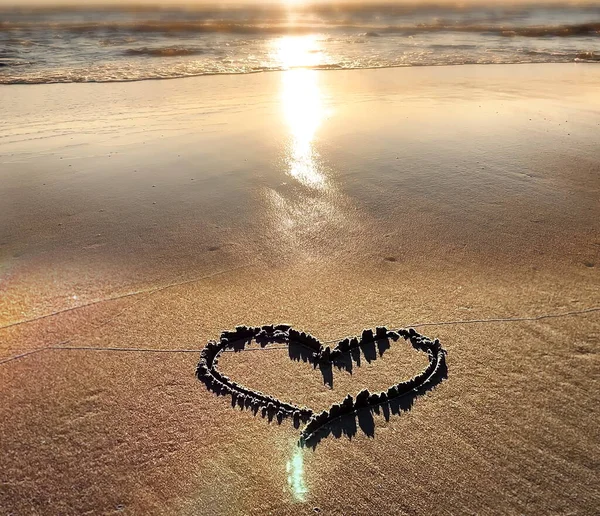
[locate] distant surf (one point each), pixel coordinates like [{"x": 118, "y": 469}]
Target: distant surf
[{"x": 162, "y": 52}]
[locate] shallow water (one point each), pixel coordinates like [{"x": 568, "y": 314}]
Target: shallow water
[{"x": 136, "y": 44}]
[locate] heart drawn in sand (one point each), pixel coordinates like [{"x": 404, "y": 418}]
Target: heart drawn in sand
[{"x": 323, "y": 357}]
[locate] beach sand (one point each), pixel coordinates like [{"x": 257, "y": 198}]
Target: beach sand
[{"x": 154, "y": 215}]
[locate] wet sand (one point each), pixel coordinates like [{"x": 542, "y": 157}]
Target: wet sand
[{"x": 154, "y": 215}]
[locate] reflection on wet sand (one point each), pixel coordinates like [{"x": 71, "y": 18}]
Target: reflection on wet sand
[
  {"x": 295, "y": 470},
  {"x": 303, "y": 206},
  {"x": 302, "y": 104},
  {"x": 303, "y": 109}
]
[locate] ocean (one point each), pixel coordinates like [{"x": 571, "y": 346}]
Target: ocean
[{"x": 132, "y": 44}]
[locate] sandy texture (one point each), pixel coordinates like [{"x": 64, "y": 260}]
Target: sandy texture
[{"x": 331, "y": 201}]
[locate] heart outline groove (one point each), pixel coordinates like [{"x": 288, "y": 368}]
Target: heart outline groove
[{"x": 323, "y": 357}]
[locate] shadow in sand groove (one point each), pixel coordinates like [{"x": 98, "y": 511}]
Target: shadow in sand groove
[{"x": 362, "y": 418}]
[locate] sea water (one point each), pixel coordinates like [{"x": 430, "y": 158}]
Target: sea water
[{"x": 130, "y": 44}]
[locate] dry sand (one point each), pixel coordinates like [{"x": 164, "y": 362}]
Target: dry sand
[{"x": 329, "y": 200}]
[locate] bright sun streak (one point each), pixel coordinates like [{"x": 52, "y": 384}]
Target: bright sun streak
[
  {"x": 295, "y": 470},
  {"x": 303, "y": 107},
  {"x": 298, "y": 52}
]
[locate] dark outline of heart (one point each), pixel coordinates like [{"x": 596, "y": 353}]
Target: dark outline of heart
[{"x": 236, "y": 340}]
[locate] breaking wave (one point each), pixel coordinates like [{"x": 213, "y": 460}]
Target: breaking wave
[
  {"x": 162, "y": 52},
  {"x": 231, "y": 27}
]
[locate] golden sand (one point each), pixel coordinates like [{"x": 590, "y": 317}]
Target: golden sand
[{"x": 156, "y": 215}]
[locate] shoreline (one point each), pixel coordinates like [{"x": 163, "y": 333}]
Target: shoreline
[{"x": 315, "y": 69}]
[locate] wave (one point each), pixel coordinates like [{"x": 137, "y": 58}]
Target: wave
[
  {"x": 588, "y": 57},
  {"x": 581, "y": 29},
  {"x": 162, "y": 52},
  {"x": 163, "y": 27},
  {"x": 229, "y": 27},
  {"x": 7, "y": 60}
]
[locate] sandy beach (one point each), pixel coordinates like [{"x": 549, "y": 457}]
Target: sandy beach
[{"x": 154, "y": 215}]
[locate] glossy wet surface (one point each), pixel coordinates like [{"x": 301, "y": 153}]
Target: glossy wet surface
[{"x": 394, "y": 198}]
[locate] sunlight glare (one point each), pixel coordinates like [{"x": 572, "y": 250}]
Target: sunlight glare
[
  {"x": 303, "y": 109},
  {"x": 302, "y": 105},
  {"x": 298, "y": 52},
  {"x": 295, "y": 470}
]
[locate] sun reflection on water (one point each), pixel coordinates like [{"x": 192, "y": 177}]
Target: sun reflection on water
[
  {"x": 304, "y": 208},
  {"x": 303, "y": 108},
  {"x": 295, "y": 470},
  {"x": 297, "y": 52}
]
